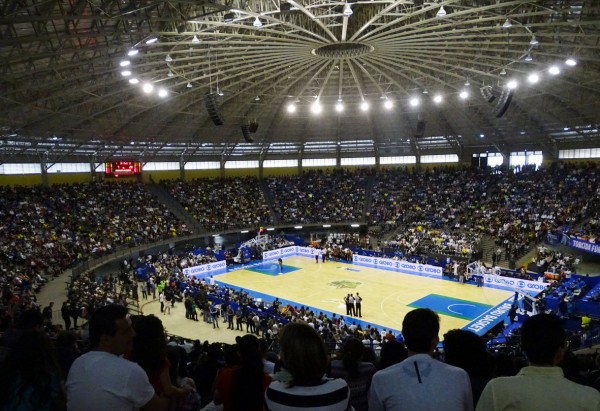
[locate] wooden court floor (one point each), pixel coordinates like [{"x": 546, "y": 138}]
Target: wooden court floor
[{"x": 387, "y": 295}]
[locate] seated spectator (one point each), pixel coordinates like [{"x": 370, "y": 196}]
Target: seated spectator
[
  {"x": 356, "y": 372},
  {"x": 101, "y": 380},
  {"x": 421, "y": 382},
  {"x": 30, "y": 376},
  {"x": 541, "y": 385},
  {"x": 242, "y": 387},
  {"x": 304, "y": 355}
]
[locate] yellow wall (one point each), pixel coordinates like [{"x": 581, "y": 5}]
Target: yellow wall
[
  {"x": 241, "y": 172},
  {"x": 21, "y": 180},
  {"x": 69, "y": 178},
  {"x": 158, "y": 176},
  {"x": 193, "y": 174},
  {"x": 280, "y": 172}
]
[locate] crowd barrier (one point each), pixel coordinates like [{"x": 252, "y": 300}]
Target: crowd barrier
[
  {"x": 398, "y": 265},
  {"x": 203, "y": 270}
]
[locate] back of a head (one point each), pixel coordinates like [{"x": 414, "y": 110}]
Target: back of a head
[
  {"x": 104, "y": 322},
  {"x": 419, "y": 328},
  {"x": 303, "y": 353},
  {"x": 249, "y": 348},
  {"x": 149, "y": 343},
  {"x": 392, "y": 352},
  {"x": 465, "y": 349},
  {"x": 541, "y": 337}
]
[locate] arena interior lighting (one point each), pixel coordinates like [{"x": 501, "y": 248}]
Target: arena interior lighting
[
  {"x": 533, "y": 78},
  {"x": 291, "y": 108},
  {"x": 364, "y": 106},
  {"x": 388, "y": 104},
  {"x": 437, "y": 99},
  {"x": 339, "y": 107},
  {"x": 463, "y": 94}
]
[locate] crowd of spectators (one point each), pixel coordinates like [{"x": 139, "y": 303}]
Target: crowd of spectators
[
  {"x": 220, "y": 204},
  {"x": 316, "y": 196}
]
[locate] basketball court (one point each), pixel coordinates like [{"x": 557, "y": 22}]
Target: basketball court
[{"x": 387, "y": 295}]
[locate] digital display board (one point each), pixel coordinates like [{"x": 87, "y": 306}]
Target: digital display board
[{"x": 123, "y": 168}]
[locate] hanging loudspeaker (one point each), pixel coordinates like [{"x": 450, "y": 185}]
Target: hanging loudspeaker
[
  {"x": 420, "y": 129},
  {"x": 504, "y": 101},
  {"x": 210, "y": 101},
  {"x": 246, "y": 134},
  {"x": 487, "y": 93}
]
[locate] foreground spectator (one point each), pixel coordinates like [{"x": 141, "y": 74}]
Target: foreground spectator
[
  {"x": 304, "y": 355},
  {"x": 541, "y": 385},
  {"x": 101, "y": 380},
  {"x": 241, "y": 388},
  {"x": 421, "y": 382}
]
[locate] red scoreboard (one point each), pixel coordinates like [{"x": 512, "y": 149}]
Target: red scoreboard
[{"x": 123, "y": 168}]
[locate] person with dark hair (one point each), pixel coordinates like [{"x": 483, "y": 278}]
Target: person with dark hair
[
  {"x": 30, "y": 376},
  {"x": 101, "y": 379},
  {"x": 392, "y": 352},
  {"x": 421, "y": 382},
  {"x": 149, "y": 351},
  {"x": 356, "y": 372},
  {"x": 304, "y": 355},
  {"x": 242, "y": 387},
  {"x": 541, "y": 385},
  {"x": 466, "y": 350}
]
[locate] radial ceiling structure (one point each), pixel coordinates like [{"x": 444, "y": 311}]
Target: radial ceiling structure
[{"x": 153, "y": 78}]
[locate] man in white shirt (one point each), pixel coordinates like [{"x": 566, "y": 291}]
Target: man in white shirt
[
  {"x": 421, "y": 382},
  {"x": 101, "y": 379},
  {"x": 541, "y": 385}
]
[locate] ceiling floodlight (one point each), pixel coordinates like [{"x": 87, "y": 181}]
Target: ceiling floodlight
[
  {"x": 388, "y": 104},
  {"x": 364, "y": 106},
  {"x": 162, "y": 93},
  {"x": 257, "y": 23},
  {"x": 291, "y": 108},
  {"x": 148, "y": 88},
  {"x": 441, "y": 12},
  {"x": 228, "y": 17},
  {"x": 437, "y": 99},
  {"x": 571, "y": 62},
  {"x": 257, "y": 98},
  {"x": 528, "y": 57},
  {"x": 168, "y": 59},
  {"x": 170, "y": 74},
  {"x": 414, "y": 102},
  {"x": 220, "y": 92},
  {"x": 133, "y": 52},
  {"x": 297, "y": 227},
  {"x": 195, "y": 40},
  {"x": 189, "y": 85},
  {"x": 533, "y": 78},
  {"x": 534, "y": 42},
  {"x": 126, "y": 73},
  {"x": 152, "y": 40},
  {"x": 503, "y": 72},
  {"x": 316, "y": 107},
  {"x": 347, "y": 10},
  {"x": 463, "y": 94},
  {"x": 133, "y": 81},
  {"x": 339, "y": 107},
  {"x": 507, "y": 24},
  {"x": 512, "y": 84},
  {"x": 467, "y": 83},
  {"x": 554, "y": 70},
  {"x": 124, "y": 63},
  {"x": 481, "y": 135}
]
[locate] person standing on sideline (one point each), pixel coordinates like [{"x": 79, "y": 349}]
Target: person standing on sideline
[
  {"x": 101, "y": 379},
  {"x": 347, "y": 301},
  {"x": 317, "y": 251},
  {"x": 541, "y": 385},
  {"x": 66, "y": 314},
  {"x": 145, "y": 290},
  {"x": 161, "y": 299},
  {"x": 358, "y": 301},
  {"x": 280, "y": 261},
  {"x": 421, "y": 382}
]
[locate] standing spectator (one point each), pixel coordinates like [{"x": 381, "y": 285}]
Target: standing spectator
[
  {"x": 47, "y": 313},
  {"x": 74, "y": 312},
  {"x": 241, "y": 388},
  {"x": 421, "y": 382},
  {"x": 145, "y": 290},
  {"x": 66, "y": 314},
  {"x": 304, "y": 355},
  {"x": 214, "y": 315},
  {"x": 541, "y": 385},
  {"x": 161, "y": 299},
  {"x": 101, "y": 379},
  {"x": 230, "y": 315}
]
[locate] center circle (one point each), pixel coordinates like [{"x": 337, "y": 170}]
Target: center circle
[{"x": 342, "y": 50}]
